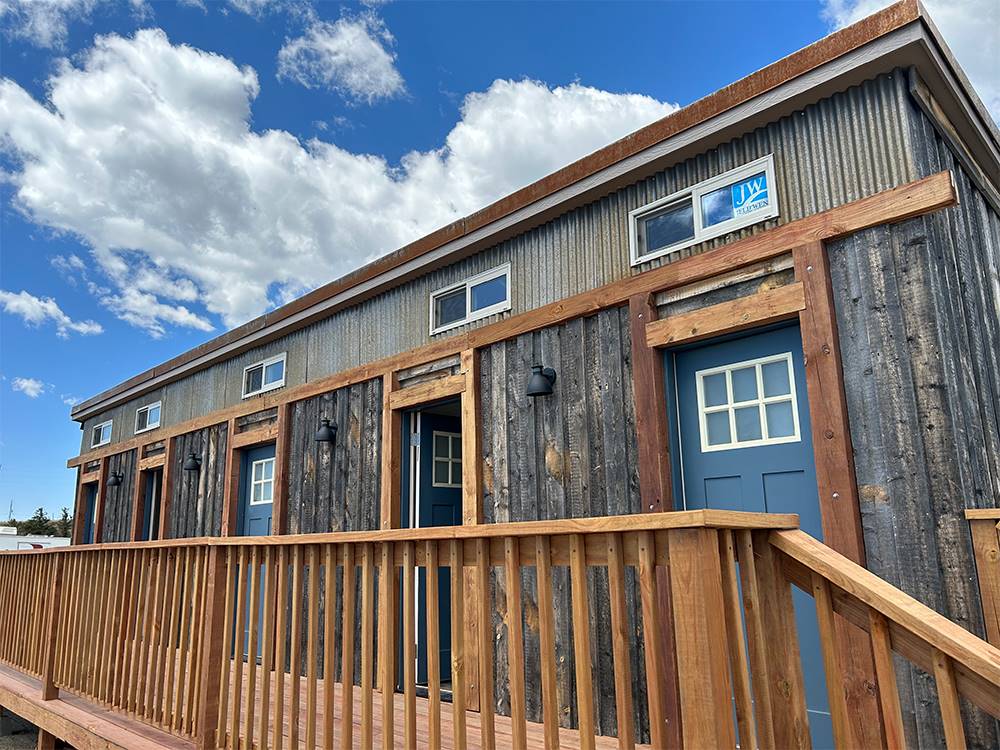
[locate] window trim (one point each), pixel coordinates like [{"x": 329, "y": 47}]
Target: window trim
[
  {"x": 451, "y": 460},
  {"x": 148, "y": 426},
  {"x": 694, "y": 193},
  {"x": 470, "y": 315},
  {"x": 262, "y": 481},
  {"x": 761, "y": 401},
  {"x": 101, "y": 425},
  {"x": 283, "y": 358}
]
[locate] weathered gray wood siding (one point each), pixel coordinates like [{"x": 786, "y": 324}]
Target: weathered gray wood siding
[
  {"x": 196, "y": 507},
  {"x": 568, "y": 455},
  {"x": 918, "y": 307},
  {"x": 117, "y": 524},
  {"x": 336, "y": 488},
  {"x": 842, "y": 148}
]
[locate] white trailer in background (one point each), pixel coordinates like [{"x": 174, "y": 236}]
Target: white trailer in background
[{"x": 10, "y": 539}]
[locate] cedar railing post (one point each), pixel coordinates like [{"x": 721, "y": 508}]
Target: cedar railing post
[
  {"x": 212, "y": 649},
  {"x": 49, "y": 689}
]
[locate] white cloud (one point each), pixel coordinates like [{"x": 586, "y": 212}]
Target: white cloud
[
  {"x": 145, "y": 151},
  {"x": 351, "y": 56},
  {"x": 30, "y": 387},
  {"x": 971, "y": 29},
  {"x": 69, "y": 400},
  {"x": 38, "y": 310},
  {"x": 45, "y": 23}
]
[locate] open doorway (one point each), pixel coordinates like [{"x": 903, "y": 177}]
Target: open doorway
[{"x": 432, "y": 496}]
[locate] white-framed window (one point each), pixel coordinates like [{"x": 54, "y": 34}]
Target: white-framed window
[
  {"x": 262, "y": 481},
  {"x": 147, "y": 417},
  {"x": 264, "y": 376},
  {"x": 101, "y": 434},
  {"x": 477, "y": 297},
  {"x": 740, "y": 197},
  {"x": 447, "y": 461},
  {"x": 749, "y": 403}
]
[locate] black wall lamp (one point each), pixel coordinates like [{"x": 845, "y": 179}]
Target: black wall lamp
[
  {"x": 541, "y": 381},
  {"x": 192, "y": 462},
  {"x": 115, "y": 478},
  {"x": 327, "y": 433}
]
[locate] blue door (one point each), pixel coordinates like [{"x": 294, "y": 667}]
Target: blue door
[
  {"x": 89, "y": 509},
  {"x": 741, "y": 419},
  {"x": 436, "y": 500},
  {"x": 256, "y": 505},
  {"x": 151, "y": 505}
]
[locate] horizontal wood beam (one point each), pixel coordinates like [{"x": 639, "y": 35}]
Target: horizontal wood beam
[
  {"x": 152, "y": 462},
  {"x": 975, "y": 514},
  {"x": 255, "y": 437},
  {"x": 771, "y": 306},
  {"x": 427, "y": 392},
  {"x": 897, "y": 204}
]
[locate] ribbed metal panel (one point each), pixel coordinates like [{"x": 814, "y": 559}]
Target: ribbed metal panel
[{"x": 853, "y": 144}]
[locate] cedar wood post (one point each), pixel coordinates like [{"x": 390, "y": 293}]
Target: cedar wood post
[
  {"x": 279, "y": 524},
  {"x": 138, "y": 504},
  {"x": 166, "y": 487},
  {"x": 102, "y": 480},
  {"x": 472, "y": 514},
  {"x": 212, "y": 657},
  {"x": 49, "y": 689},
  {"x": 835, "y": 479},
  {"x": 78, "y": 511},
  {"x": 231, "y": 486},
  {"x": 655, "y": 484}
]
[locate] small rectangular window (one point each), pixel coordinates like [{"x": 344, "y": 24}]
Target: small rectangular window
[
  {"x": 147, "y": 417},
  {"x": 447, "y": 459},
  {"x": 101, "y": 434},
  {"x": 746, "y": 404},
  {"x": 477, "y": 297},
  {"x": 264, "y": 376},
  {"x": 740, "y": 197},
  {"x": 262, "y": 482}
]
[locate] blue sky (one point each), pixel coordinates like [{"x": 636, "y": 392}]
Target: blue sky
[{"x": 172, "y": 169}]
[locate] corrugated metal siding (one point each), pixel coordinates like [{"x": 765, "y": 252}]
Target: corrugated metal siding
[
  {"x": 838, "y": 150},
  {"x": 918, "y": 307}
]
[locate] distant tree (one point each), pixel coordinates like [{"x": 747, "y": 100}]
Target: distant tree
[
  {"x": 39, "y": 524},
  {"x": 63, "y": 526}
]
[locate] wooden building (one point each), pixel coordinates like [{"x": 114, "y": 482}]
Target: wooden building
[{"x": 564, "y": 418}]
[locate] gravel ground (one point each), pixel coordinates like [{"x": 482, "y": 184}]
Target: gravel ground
[{"x": 24, "y": 736}]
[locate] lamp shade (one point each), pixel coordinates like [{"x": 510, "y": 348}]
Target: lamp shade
[
  {"x": 327, "y": 432},
  {"x": 192, "y": 462},
  {"x": 115, "y": 479},
  {"x": 540, "y": 383}
]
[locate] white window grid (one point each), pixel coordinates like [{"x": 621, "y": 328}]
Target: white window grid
[
  {"x": 149, "y": 424},
  {"x": 262, "y": 484},
  {"x": 97, "y": 438},
  {"x": 453, "y": 441},
  {"x": 470, "y": 314},
  {"x": 264, "y": 364},
  {"x": 694, "y": 194},
  {"x": 761, "y": 401}
]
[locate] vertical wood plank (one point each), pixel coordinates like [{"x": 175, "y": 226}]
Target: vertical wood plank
[
  {"x": 409, "y": 649},
  {"x": 100, "y": 500},
  {"x": 54, "y": 594},
  {"x": 986, "y": 548},
  {"x": 835, "y": 477},
  {"x": 653, "y": 639},
  {"x": 484, "y": 602},
  {"x": 282, "y": 453},
  {"x": 138, "y": 499},
  {"x": 756, "y": 640},
  {"x": 231, "y": 483},
  {"x": 888, "y": 691},
  {"x": 581, "y": 641},
  {"x": 515, "y": 643},
  {"x": 329, "y": 638},
  {"x": 620, "y": 639},
  {"x": 225, "y": 655},
  {"x": 280, "y": 636},
  {"x": 547, "y": 642},
  {"x": 267, "y": 648},
  {"x": 347, "y": 651},
  {"x": 79, "y": 516},
  {"x": 823, "y": 597},
  {"x": 367, "y": 636},
  {"x": 312, "y": 643},
  {"x": 252, "y": 644},
  {"x": 391, "y": 446},
  {"x": 167, "y": 488},
  {"x": 458, "y": 655},
  {"x": 947, "y": 692},
  {"x": 738, "y": 661},
  {"x": 235, "y": 707},
  {"x": 433, "y": 646},
  {"x": 214, "y": 658},
  {"x": 472, "y": 513},
  {"x": 296, "y": 650},
  {"x": 387, "y": 641}
]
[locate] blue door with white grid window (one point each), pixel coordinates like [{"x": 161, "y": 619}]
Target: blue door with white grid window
[
  {"x": 256, "y": 505},
  {"x": 741, "y": 420}
]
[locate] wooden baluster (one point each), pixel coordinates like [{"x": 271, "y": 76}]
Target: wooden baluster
[
  {"x": 55, "y": 589},
  {"x": 173, "y": 646},
  {"x": 93, "y": 621},
  {"x": 885, "y": 672},
  {"x": 296, "y": 655},
  {"x": 620, "y": 639},
  {"x": 252, "y": 644},
  {"x": 581, "y": 640},
  {"x": 141, "y": 633},
  {"x": 458, "y": 688},
  {"x": 101, "y": 615},
  {"x": 329, "y": 640},
  {"x": 756, "y": 640},
  {"x": 831, "y": 662},
  {"x": 280, "y": 634},
  {"x": 700, "y": 635},
  {"x": 739, "y": 664},
  {"x": 433, "y": 646},
  {"x": 267, "y": 649},
  {"x": 367, "y": 637},
  {"x": 236, "y": 705},
  {"x": 486, "y": 644},
  {"x": 515, "y": 643},
  {"x": 387, "y": 641},
  {"x": 312, "y": 642},
  {"x": 109, "y": 649},
  {"x": 164, "y": 628},
  {"x": 652, "y": 637},
  {"x": 216, "y": 659},
  {"x": 198, "y": 631},
  {"x": 155, "y": 632},
  {"x": 347, "y": 651},
  {"x": 409, "y": 648},
  {"x": 947, "y": 692},
  {"x": 787, "y": 692},
  {"x": 184, "y": 638},
  {"x": 547, "y": 641},
  {"x": 226, "y": 650}
]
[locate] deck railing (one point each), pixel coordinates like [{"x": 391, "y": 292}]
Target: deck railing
[{"x": 230, "y": 641}]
